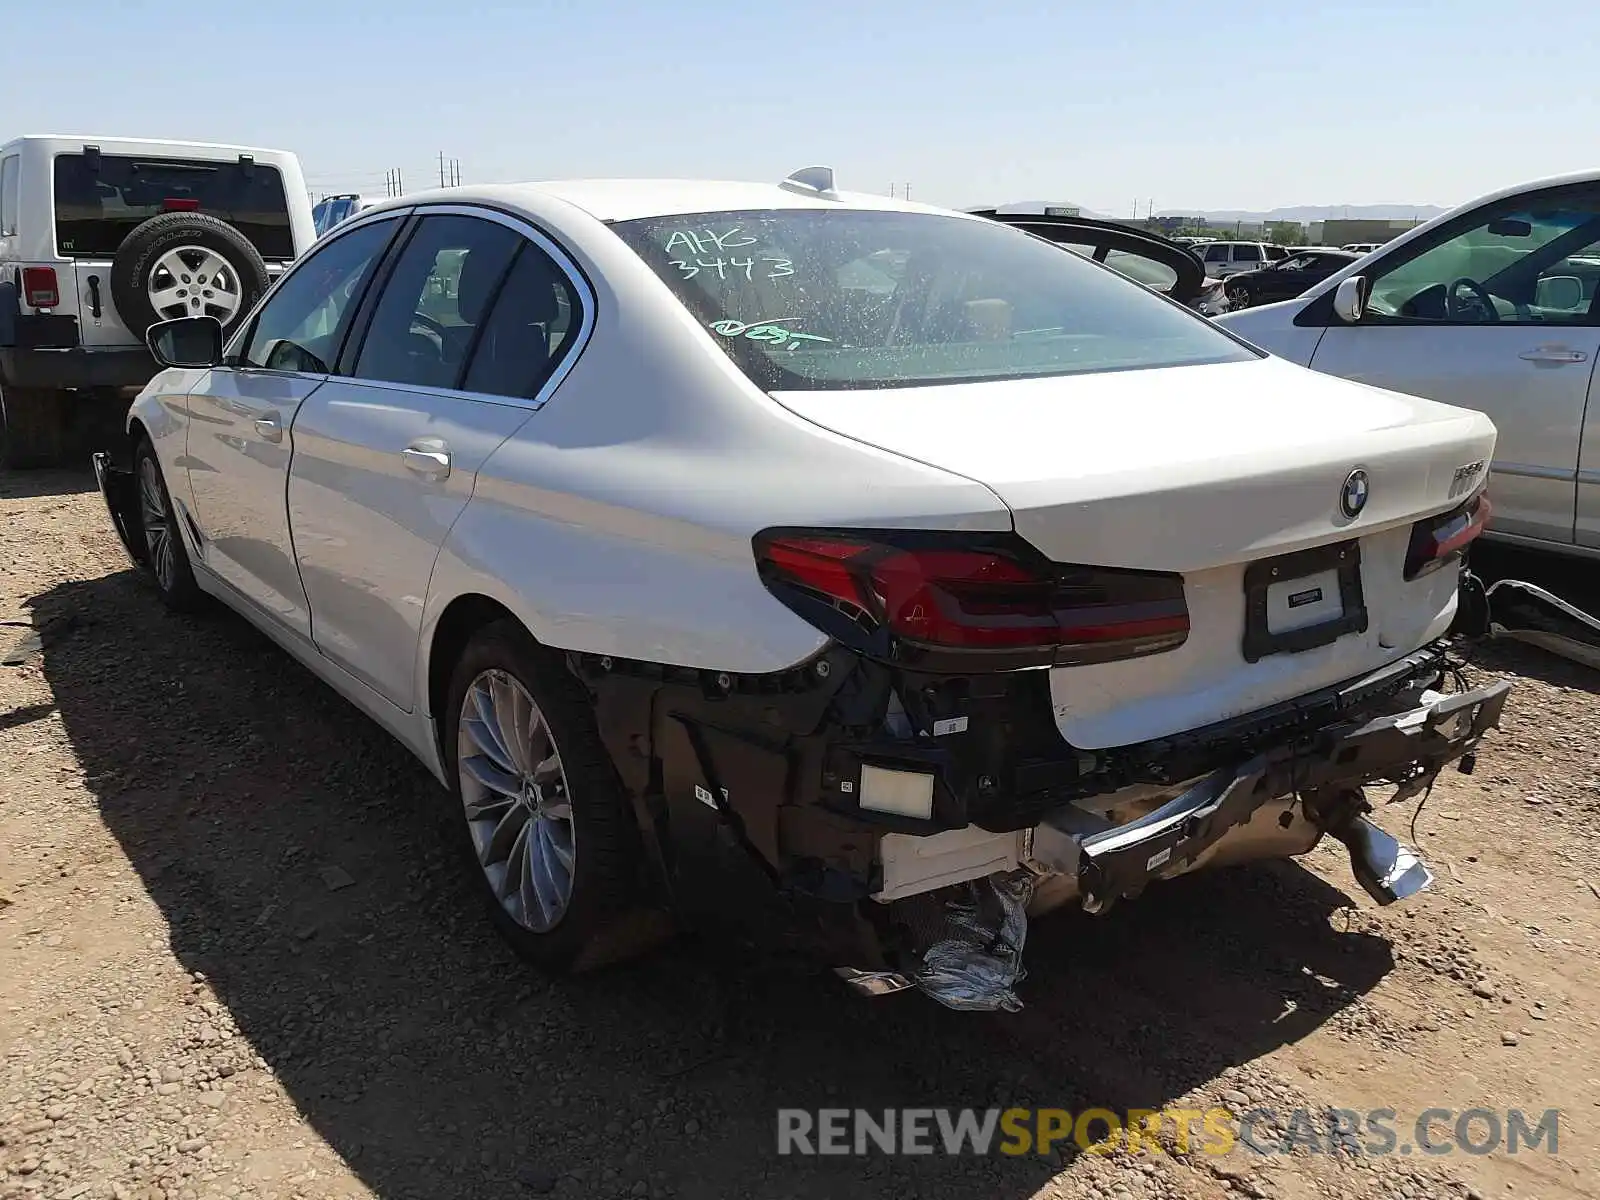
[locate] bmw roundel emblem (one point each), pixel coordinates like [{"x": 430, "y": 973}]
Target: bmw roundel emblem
[{"x": 1353, "y": 497}]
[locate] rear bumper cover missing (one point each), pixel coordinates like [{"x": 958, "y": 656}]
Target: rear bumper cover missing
[
  {"x": 1404, "y": 748},
  {"x": 747, "y": 789}
]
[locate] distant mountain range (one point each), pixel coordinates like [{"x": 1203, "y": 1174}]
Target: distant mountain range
[{"x": 1307, "y": 213}]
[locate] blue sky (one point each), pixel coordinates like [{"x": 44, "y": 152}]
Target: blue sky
[{"x": 1241, "y": 105}]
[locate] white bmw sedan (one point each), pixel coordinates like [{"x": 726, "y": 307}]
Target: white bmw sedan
[{"x": 878, "y": 563}]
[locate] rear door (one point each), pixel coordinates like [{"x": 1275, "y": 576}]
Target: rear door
[
  {"x": 1492, "y": 311},
  {"x": 241, "y": 418},
  {"x": 463, "y": 333}
]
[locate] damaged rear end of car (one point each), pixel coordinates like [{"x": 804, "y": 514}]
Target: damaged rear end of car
[
  {"x": 1222, "y": 610},
  {"x": 906, "y": 800}
]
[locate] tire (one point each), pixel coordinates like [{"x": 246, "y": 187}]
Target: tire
[
  {"x": 166, "y": 559},
  {"x": 155, "y": 255},
  {"x": 1238, "y": 297},
  {"x": 34, "y": 428},
  {"x": 602, "y": 837}
]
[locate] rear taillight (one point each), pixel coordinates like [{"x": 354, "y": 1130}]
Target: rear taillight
[
  {"x": 179, "y": 204},
  {"x": 904, "y": 595},
  {"x": 1441, "y": 539},
  {"x": 39, "y": 287}
]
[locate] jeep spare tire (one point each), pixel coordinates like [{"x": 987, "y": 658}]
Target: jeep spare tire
[{"x": 185, "y": 265}]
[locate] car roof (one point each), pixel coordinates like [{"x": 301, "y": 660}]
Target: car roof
[
  {"x": 137, "y": 145},
  {"x": 631, "y": 199}
]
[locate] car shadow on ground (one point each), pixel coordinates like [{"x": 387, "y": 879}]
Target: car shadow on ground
[
  {"x": 56, "y": 481},
  {"x": 435, "y": 1063}
]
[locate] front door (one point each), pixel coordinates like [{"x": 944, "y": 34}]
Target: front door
[
  {"x": 241, "y": 422},
  {"x": 1494, "y": 312}
]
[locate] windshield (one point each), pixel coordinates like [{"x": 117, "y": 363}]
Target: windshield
[
  {"x": 806, "y": 299},
  {"x": 100, "y": 200}
]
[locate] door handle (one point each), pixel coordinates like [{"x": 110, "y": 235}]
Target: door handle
[
  {"x": 1553, "y": 354},
  {"x": 427, "y": 456},
  {"x": 270, "y": 427}
]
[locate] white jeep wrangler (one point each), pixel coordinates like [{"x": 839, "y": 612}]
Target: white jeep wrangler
[{"x": 100, "y": 238}]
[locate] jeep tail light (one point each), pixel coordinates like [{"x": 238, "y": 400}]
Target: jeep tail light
[
  {"x": 179, "y": 204},
  {"x": 1442, "y": 539},
  {"x": 915, "y": 593},
  {"x": 39, "y": 287}
]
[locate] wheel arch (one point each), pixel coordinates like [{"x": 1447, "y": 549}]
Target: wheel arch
[{"x": 462, "y": 617}]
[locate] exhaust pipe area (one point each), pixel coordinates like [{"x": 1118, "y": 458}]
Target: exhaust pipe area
[{"x": 1386, "y": 868}]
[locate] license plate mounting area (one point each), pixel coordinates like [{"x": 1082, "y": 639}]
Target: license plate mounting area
[{"x": 1297, "y": 602}]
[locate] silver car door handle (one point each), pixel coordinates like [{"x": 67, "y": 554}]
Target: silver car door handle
[
  {"x": 1553, "y": 354},
  {"x": 427, "y": 458},
  {"x": 270, "y": 427}
]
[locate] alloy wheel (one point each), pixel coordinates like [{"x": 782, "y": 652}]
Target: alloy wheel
[
  {"x": 158, "y": 530},
  {"x": 516, "y": 801},
  {"x": 192, "y": 281}
]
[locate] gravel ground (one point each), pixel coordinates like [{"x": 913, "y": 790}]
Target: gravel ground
[{"x": 236, "y": 960}]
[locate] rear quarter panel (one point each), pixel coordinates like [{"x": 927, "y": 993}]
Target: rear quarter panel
[{"x": 619, "y": 519}]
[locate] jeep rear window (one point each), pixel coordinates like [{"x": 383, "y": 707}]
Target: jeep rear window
[
  {"x": 101, "y": 199},
  {"x": 825, "y": 299}
]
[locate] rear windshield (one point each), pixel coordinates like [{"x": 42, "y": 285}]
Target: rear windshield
[
  {"x": 100, "y": 199},
  {"x": 808, "y": 299}
]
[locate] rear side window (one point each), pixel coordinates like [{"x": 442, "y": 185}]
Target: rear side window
[
  {"x": 426, "y": 319},
  {"x": 100, "y": 199},
  {"x": 1247, "y": 254},
  {"x": 534, "y": 320},
  {"x": 9, "y": 176}
]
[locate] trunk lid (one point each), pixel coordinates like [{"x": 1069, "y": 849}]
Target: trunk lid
[{"x": 1203, "y": 471}]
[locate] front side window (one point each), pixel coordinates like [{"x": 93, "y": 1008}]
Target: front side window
[
  {"x": 842, "y": 298},
  {"x": 1522, "y": 261},
  {"x": 102, "y": 198},
  {"x": 1216, "y": 254},
  {"x": 443, "y": 283},
  {"x": 301, "y": 326}
]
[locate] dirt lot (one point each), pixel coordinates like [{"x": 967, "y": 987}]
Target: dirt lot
[{"x": 236, "y": 959}]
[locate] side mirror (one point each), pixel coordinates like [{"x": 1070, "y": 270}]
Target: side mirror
[
  {"x": 186, "y": 342},
  {"x": 1350, "y": 299}
]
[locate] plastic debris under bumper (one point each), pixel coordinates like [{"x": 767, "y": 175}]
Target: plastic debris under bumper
[{"x": 1406, "y": 748}]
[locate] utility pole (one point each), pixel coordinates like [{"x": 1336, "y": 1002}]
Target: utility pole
[
  {"x": 908, "y": 192},
  {"x": 441, "y": 168},
  {"x": 455, "y": 172},
  {"x": 891, "y": 191}
]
